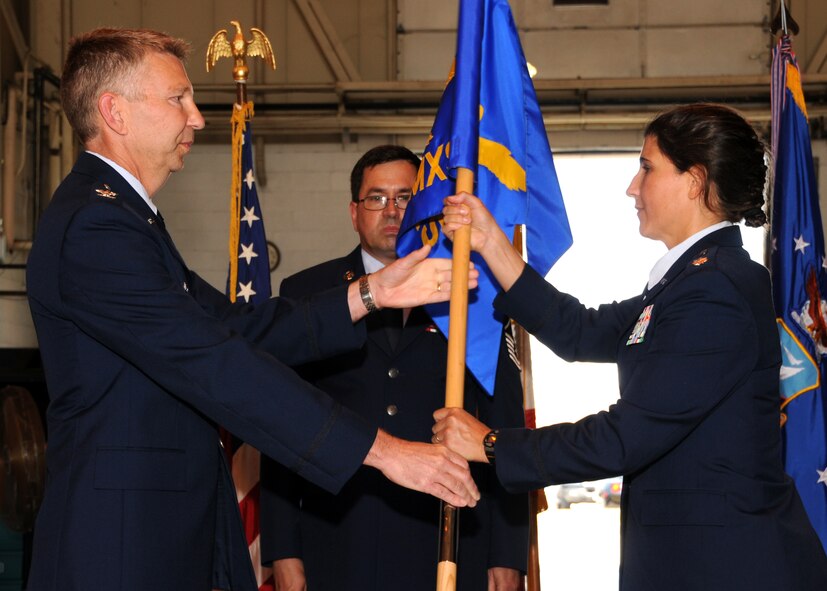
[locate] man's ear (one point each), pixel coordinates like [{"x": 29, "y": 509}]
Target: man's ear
[
  {"x": 110, "y": 107},
  {"x": 354, "y": 211}
]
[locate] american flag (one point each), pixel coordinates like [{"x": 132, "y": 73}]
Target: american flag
[{"x": 249, "y": 278}]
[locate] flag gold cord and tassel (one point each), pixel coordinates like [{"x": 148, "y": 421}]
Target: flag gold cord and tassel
[{"x": 241, "y": 114}]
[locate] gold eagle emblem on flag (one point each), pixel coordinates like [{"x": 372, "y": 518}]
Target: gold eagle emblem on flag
[{"x": 238, "y": 49}]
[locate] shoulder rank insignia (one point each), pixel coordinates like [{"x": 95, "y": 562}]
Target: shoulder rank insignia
[
  {"x": 640, "y": 326},
  {"x": 699, "y": 261},
  {"x": 106, "y": 192}
]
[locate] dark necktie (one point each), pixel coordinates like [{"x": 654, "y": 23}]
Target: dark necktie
[{"x": 392, "y": 323}]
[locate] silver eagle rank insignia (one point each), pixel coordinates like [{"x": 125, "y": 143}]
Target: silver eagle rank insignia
[{"x": 106, "y": 192}]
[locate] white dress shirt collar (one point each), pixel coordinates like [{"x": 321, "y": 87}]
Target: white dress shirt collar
[
  {"x": 669, "y": 259},
  {"x": 372, "y": 264},
  {"x": 129, "y": 178}
]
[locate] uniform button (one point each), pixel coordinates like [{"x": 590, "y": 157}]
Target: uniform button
[
  {"x": 392, "y": 410},
  {"x": 393, "y": 372}
]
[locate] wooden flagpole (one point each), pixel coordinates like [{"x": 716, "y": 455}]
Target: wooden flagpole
[
  {"x": 537, "y": 502},
  {"x": 446, "y": 577},
  {"x": 242, "y": 459}
]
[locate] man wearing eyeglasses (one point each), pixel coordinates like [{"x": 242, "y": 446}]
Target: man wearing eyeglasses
[{"x": 374, "y": 535}]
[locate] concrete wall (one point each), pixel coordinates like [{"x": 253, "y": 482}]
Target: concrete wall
[
  {"x": 305, "y": 200},
  {"x": 360, "y": 25},
  {"x": 624, "y": 39}
]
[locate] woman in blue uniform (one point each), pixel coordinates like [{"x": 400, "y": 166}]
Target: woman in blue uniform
[{"x": 706, "y": 504}]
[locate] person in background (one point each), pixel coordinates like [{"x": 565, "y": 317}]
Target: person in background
[
  {"x": 143, "y": 358},
  {"x": 706, "y": 504},
  {"x": 375, "y": 535}
]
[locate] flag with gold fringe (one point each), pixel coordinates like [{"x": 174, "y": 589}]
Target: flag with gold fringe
[{"x": 799, "y": 288}]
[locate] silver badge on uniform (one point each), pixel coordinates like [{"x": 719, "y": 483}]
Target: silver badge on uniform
[
  {"x": 640, "y": 326},
  {"x": 106, "y": 192}
]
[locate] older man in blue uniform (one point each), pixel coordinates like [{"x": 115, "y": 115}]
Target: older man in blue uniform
[
  {"x": 375, "y": 535},
  {"x": 142, "y": 357}
]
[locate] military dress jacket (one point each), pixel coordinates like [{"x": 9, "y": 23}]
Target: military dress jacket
[
  {"x": 706, "y": 505},
  {"x": 142, "y": 359},
  {"x": 375, "y": 535}
]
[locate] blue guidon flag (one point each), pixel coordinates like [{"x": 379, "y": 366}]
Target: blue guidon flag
[
  {"x": 488, "y": 121},
  {"x": 799, "y": 289}
]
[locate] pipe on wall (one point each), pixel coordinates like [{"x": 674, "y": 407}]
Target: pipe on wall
[
  {"x": 54, "y": 127},
  {"x": 67, "y": 146},
  {"x": 9, "y": 166}
]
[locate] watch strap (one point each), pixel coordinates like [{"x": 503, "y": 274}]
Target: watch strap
[
  {"x": 488, "y": 443},
  {"x": 366, "y": 295}
]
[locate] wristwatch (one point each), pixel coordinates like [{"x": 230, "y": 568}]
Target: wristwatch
[
  {"x": 366, "y": 295},
  {"x": 488, "y": 443}
]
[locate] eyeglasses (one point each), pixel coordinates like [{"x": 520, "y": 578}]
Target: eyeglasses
[{"x": 380, "y": 202}]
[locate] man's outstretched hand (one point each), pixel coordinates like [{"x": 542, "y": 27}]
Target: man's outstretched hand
[
  {"x": 413, "y": 280},
  {"x": 428, "y": 468}
]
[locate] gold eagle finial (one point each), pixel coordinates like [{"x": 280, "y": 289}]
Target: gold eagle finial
[{"x": 221, "y": 46}]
